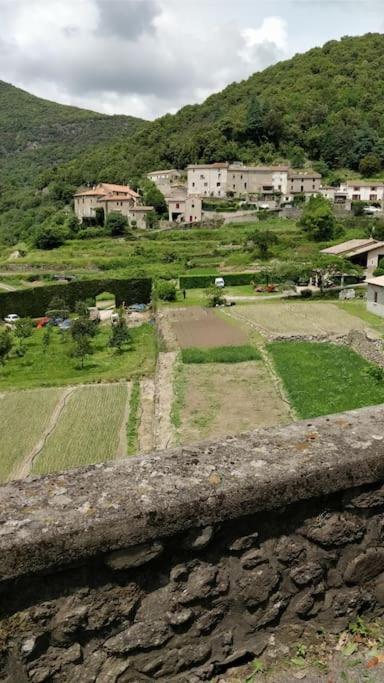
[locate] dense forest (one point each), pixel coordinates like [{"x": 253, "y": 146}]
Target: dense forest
[{"x": 324, "y": 107}]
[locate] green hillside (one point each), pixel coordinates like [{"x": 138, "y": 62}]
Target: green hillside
[{"x": 325, "y": 107}]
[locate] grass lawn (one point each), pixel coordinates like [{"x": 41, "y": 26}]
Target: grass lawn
[
  {"x": 38, "y": 367},
  {"x": 324, "y": 378}
]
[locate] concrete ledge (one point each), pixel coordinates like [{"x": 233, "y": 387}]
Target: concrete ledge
[{"x": 61, "y": 519}]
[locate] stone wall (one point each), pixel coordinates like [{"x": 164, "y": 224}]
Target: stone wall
[{"x": 175, "y": 566}]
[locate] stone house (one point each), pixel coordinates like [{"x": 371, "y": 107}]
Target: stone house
[
  {"x": 111, "y": 198},
  {"x": 184, "y": 208},
  {"x": 261, "y": 182},
  {"x": 375, "y": 295}
]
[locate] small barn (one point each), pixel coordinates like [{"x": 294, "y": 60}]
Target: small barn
[
  {"x": 364, "y": 252},
  {"x": 375, "y": 295}
]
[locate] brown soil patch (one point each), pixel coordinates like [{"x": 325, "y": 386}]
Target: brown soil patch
[
  {"x": 206, "y": 329},
  {"x": 223, "y": 399},
  {"x": 147, "y": 398}
]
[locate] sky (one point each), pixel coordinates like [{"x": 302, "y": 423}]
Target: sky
[{"x": 149, "y": 57}]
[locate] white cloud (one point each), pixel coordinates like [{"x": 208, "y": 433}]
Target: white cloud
[{"x": 142, "y": 57}]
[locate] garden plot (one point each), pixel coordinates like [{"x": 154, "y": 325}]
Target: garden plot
[
  {"x": 90, "y": 429},
  {"x": 299, "y": 319},
  {"x": 227, "y": 398},
  {"x": 199, "y": 327},
  {"x": 24, "y": 415}
]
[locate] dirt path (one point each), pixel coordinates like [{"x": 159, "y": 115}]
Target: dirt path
[
  {"x": 147, "y": 415},
  {"x": 23, "y": 469},
  {"x": 8, "y": 288},
  {"x": 163, "y": 430},
  {"x": 122, "y": 448}
]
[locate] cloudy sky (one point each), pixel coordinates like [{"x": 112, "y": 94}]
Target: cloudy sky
[{"x": 147, "y": 57}]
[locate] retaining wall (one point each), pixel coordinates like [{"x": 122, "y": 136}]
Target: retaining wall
[{"x": 174, "y": 566}]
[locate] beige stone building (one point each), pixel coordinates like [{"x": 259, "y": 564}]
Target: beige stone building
[
  {"x": 111, "y": 198},
  {"x": 260, "y": 182},
  {"x": 184, "y": 208}
]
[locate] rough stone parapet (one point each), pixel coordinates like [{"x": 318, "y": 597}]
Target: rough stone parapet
[{"x": 175, "y": 566}]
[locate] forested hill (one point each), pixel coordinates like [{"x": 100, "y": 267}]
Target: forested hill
[
  {"x": 325, "y": 106},
  {"x": 30, "y": 123}
]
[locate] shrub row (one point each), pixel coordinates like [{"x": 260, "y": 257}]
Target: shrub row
[
  {"x": 35, "y": 301},
  {"x": 200, "y": 281},
  {"x": 220, "y": 354}
]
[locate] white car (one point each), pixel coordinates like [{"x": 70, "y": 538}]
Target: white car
[
  {"x": 12, "y": 318},
  {"x": 219, "y": 282},
  {"x": 371, "y": 209}
]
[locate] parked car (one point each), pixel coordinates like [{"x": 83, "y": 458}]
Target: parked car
[
  {"x": 65, "y": 325},
  {"x": 371, "y": 209},
  {"x": 219, "y": 282},
  {"x": 12, "y": 318}
]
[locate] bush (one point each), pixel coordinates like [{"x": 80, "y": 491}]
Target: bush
[
  {"x": 220, "y": 354},
  {"x": 116, "y": 224},
  {"x": 50, "y": 237},
  {"x": 376, "y": 372},
  {"x": 306, "y": 293},
  {"x": 166, "y": 291},
  {"x": 378, "y": 272}
]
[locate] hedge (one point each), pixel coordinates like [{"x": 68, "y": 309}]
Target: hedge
[
  {"x": 200, "y": 281},
  {"x": 35, "y": 301}
]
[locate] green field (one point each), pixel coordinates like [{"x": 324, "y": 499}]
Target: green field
[
  {"x": 220, "y": 354},
  {"x": 54, "y": 366},
  {"x": 324, "y": 378},
  {"x": 23, "y": 417},
  {"x": 88, "y": 430}
]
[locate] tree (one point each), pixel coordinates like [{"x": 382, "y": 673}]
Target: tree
[
  {"x": 318, "y": 219},
  {"x": 46, "y": 340},
  {"x": 370, "y": 165},
  {"x": 325, "y": 267},
  {"x": 23, "y": 330},
  {"x": 57, "y": 308},
  {"x": 50, "y": 237},
  {"x": 116, "y": 224},
  {"x": 6, "y": 345},
  {"x": 153, "y": 197},
  {"x": 166, "y": 291},
  {"x": 254, "y": 123},
  {"x": 120, "y": 334},
  {"x": 82, "y": 348},
  {"x": 214, "y": 296},
  {"x": 81, "y": 309},
  {"x": 263, "y": 239},
  {"x": 82, "y": 331}
]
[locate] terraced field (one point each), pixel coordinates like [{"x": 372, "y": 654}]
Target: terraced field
[
  {"x": 24, "y": 415},
  {"x": 89, "y": 430}
]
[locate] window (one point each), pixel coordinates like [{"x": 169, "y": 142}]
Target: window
[
  {"x": 177, "y": 205},
  {"x": 245, "y": 186},
  {"x": 313, "y": 187},
  {"x": 193, "y": 206},
  {"x": 279, "y": 187},
  {"x": 234, "y": 187},
  {"x": 372, "y": 197},
  {"x": 373, "y": 189},
  {"x": 205, "y": 184},
  {"x": 302, "y": 188},
  {"x": 375, "y": 297},
  {"x": 218, "y": 184},
  {"x": 193, "y": 184},
  {"x": 241, "y": 177},
  {"x": 202, "y": 176},
  {"x": 355, "y": 197},
  {"x": 356, "y": 189}
]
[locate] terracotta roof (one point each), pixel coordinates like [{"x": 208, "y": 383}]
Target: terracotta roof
[
  {"x": 95, "y": 192},
  {"x": 109, "y": 187},
  {"x": 273, "y": 169},
  {"x": 219, "y": 164},
  {"x": 106, "y": 189},
  {"x": 141, "y": 208}
]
